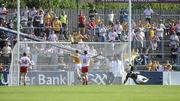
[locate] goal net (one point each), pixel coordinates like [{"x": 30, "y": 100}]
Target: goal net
[{"x": 50, "y": 56}]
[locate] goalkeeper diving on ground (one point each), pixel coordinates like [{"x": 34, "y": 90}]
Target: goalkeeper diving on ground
[{"x": 137, "y": 78}]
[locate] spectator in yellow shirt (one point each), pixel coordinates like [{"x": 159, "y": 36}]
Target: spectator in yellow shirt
[
  {"x": 57, "y": 26},
  {"x": 153, "y": 66},
  {"x": 151, "y": 33},
  {"x": 98, "y": 21},
  {"x": 147, "y": 27},
  {"x": 47, "y": 18}
]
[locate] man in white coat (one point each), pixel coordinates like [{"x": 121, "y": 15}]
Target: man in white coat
[{"x": 116, "y": 70}]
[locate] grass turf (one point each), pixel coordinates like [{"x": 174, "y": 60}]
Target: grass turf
[{"x": 90, "y": 93}]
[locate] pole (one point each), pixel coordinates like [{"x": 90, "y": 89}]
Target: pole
[
  {"x": 130, "y": 29},
  {"x": 18, "y": 37},
  {"x": 77, "y": 5}
]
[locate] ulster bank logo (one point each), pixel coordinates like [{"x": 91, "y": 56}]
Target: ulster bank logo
[{"x": 98, "y": 79}]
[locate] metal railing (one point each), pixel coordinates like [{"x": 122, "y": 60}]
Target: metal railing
[{"x": 136, "y": 15}]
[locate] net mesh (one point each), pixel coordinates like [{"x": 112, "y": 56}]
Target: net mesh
[
  {"x": 56, "y": 56},
  {"x": 14, "y": 70}
]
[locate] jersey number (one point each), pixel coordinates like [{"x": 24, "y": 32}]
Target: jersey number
[
  {"x": 84, "y": 60},
  {"x": 24, "y": 61}
]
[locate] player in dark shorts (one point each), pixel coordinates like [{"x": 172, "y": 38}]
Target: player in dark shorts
[{"x": 137, "y": 78}]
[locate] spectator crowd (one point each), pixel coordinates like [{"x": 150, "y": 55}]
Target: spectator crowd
[{"x": 147, "y": 36}]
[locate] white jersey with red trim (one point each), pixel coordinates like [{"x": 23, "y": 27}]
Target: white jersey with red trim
[
  {"x": 85, "y": 60},
  {"x": 25, "y": 61}
]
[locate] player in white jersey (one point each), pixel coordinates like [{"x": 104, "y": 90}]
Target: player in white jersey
[
  {"x": 25, "y": 63},
  {"x": 85, "y": 60},
  {"x": 138, "y": 79}
]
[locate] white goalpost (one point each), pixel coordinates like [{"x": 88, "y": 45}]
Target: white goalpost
[
  {"x": 46, "y": 55},
  {"x": 52, "y": 56}
]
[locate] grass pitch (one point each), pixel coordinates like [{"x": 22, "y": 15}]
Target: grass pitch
[{"x": 90, "y": 93}]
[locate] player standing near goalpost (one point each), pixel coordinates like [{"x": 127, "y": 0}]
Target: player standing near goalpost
[
  {"x": 25, "y": 63},
  {"x": 85, "y": 59},
  {"x": 77, "y": 63}
]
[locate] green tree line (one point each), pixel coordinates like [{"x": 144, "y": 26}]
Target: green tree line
[{"x": 73, "y": 4}]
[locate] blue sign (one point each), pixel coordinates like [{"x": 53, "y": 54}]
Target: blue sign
[
  {"x": 155, "y": 78},
  {"x": 64, "y": 78}
]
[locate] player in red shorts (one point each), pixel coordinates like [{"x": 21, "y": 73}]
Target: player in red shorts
[
  {"x": 25, "y": 63},
  {"x": 85, "y": 60}
]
